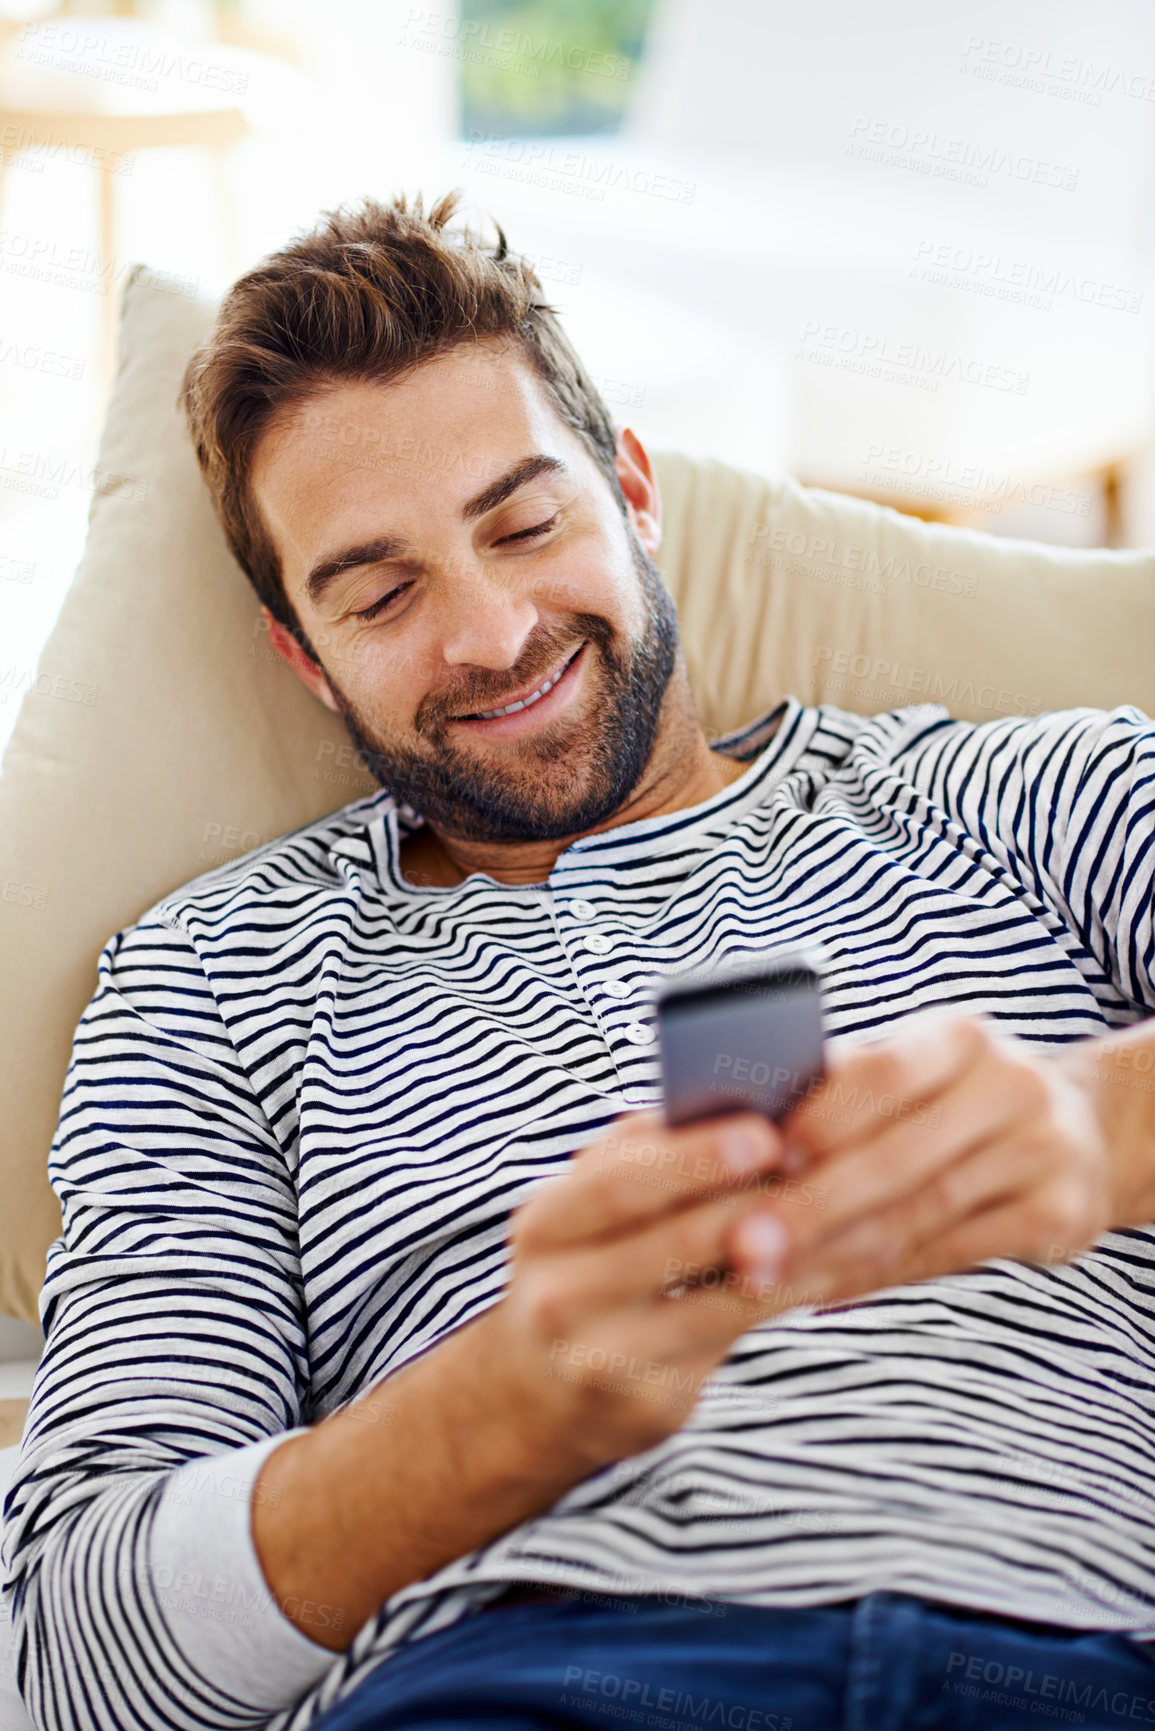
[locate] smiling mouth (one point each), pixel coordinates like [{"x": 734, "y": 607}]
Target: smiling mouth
[{"x": 532, "y": 698}]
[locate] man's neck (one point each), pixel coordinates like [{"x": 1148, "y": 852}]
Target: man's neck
[{"x": 683, "y": 772}]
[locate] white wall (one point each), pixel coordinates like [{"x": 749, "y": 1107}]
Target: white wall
[{"x": 908, "y": 178}]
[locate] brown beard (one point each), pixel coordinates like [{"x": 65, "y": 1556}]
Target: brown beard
[{"x": 475, "y": 801}]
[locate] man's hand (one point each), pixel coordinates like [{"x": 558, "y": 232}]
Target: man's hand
[
  {"x": 588, "y": 1344},
  {"x": 583, "y": 1361},
  {"x": 935, "y": 1148},
  {"x": 919, "y": 1155}
]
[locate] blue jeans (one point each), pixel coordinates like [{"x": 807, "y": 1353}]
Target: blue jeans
[{"x": 887, "y": 1662}]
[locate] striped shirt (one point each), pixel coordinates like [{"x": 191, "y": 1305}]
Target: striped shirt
[{"x": 307, "y": 1095}]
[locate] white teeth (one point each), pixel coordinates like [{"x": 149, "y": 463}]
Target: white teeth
[{"x": 492, "y": 714}]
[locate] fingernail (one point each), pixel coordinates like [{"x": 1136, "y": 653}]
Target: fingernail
[
  {"x": 764, "y": 1242},
  {"x": 793, "y": 1159},
  {"x": 742, "y": 1149}
]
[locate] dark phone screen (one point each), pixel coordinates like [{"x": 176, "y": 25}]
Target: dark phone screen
[{"x": 748, "y": 1044}]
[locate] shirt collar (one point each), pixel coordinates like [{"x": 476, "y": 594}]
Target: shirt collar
[{"x": 770, "y": 744}]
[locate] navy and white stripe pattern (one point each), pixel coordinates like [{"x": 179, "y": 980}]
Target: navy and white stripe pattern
[{"x": 307, "y": 1095}]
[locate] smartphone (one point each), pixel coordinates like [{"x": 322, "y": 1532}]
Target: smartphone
[{"x": 743, "y": 1040}]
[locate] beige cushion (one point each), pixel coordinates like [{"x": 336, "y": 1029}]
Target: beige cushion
[{"x": 162, "y": 736}]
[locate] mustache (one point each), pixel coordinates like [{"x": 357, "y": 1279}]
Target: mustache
[{"x": 543, "y": 653}]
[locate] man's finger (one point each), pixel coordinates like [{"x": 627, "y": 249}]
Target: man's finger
[
  {"x": 706, "y": 1319},
  {"x": 593, "y": 1279},
  {"x": 892, "y": 1245},
  {"x": 896, "y": 1080},
  {"x": 1007, "y": 1229},
  {"x": 913, "y": 1161},
  {"x": 643, "y": 1170}
]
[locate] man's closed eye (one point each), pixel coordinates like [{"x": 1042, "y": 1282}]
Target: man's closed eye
[
  {"x": 528, "y": 534},
  {"x": 376, "y": 607}
]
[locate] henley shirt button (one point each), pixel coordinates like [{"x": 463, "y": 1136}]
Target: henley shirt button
[
  {"x": 598, "y": 944},
  {"x": 618, "y": 988},
  {"x": 639, "y": 1034},
  {"x": 582, "y": 910}
]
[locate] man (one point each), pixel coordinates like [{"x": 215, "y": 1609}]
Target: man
[{"x": 402, "y": 1368}]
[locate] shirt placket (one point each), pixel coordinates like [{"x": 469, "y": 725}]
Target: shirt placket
[{"x": 610, "y": 963}]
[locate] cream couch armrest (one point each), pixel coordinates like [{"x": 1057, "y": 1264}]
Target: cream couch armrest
[{"x": 788, "y": 589}]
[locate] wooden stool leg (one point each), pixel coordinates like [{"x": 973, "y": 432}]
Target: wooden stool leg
[{"x": 1114, "y": 523}]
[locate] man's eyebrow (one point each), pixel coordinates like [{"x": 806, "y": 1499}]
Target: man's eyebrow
[
  {"x": 498, "y": 491},
  {"x": 325, "y": 572}
]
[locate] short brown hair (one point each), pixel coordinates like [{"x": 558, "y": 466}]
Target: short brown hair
[{"x": 367, "y": 294}]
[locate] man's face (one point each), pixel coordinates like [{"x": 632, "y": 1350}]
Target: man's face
[{"x": 451, "y": 549}]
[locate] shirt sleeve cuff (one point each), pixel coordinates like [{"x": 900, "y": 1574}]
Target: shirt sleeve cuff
[{"x": 208, "y": 1579}]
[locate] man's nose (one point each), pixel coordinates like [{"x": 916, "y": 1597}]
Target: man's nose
[{"x": 488, "y": 622}]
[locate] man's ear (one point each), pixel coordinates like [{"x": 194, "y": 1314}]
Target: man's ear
[
  {"x": 294, "y": 656},
  {"x": 640, "y": 488}
]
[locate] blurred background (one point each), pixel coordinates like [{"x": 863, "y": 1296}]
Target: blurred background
[{"x": 903, "y": 251}]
